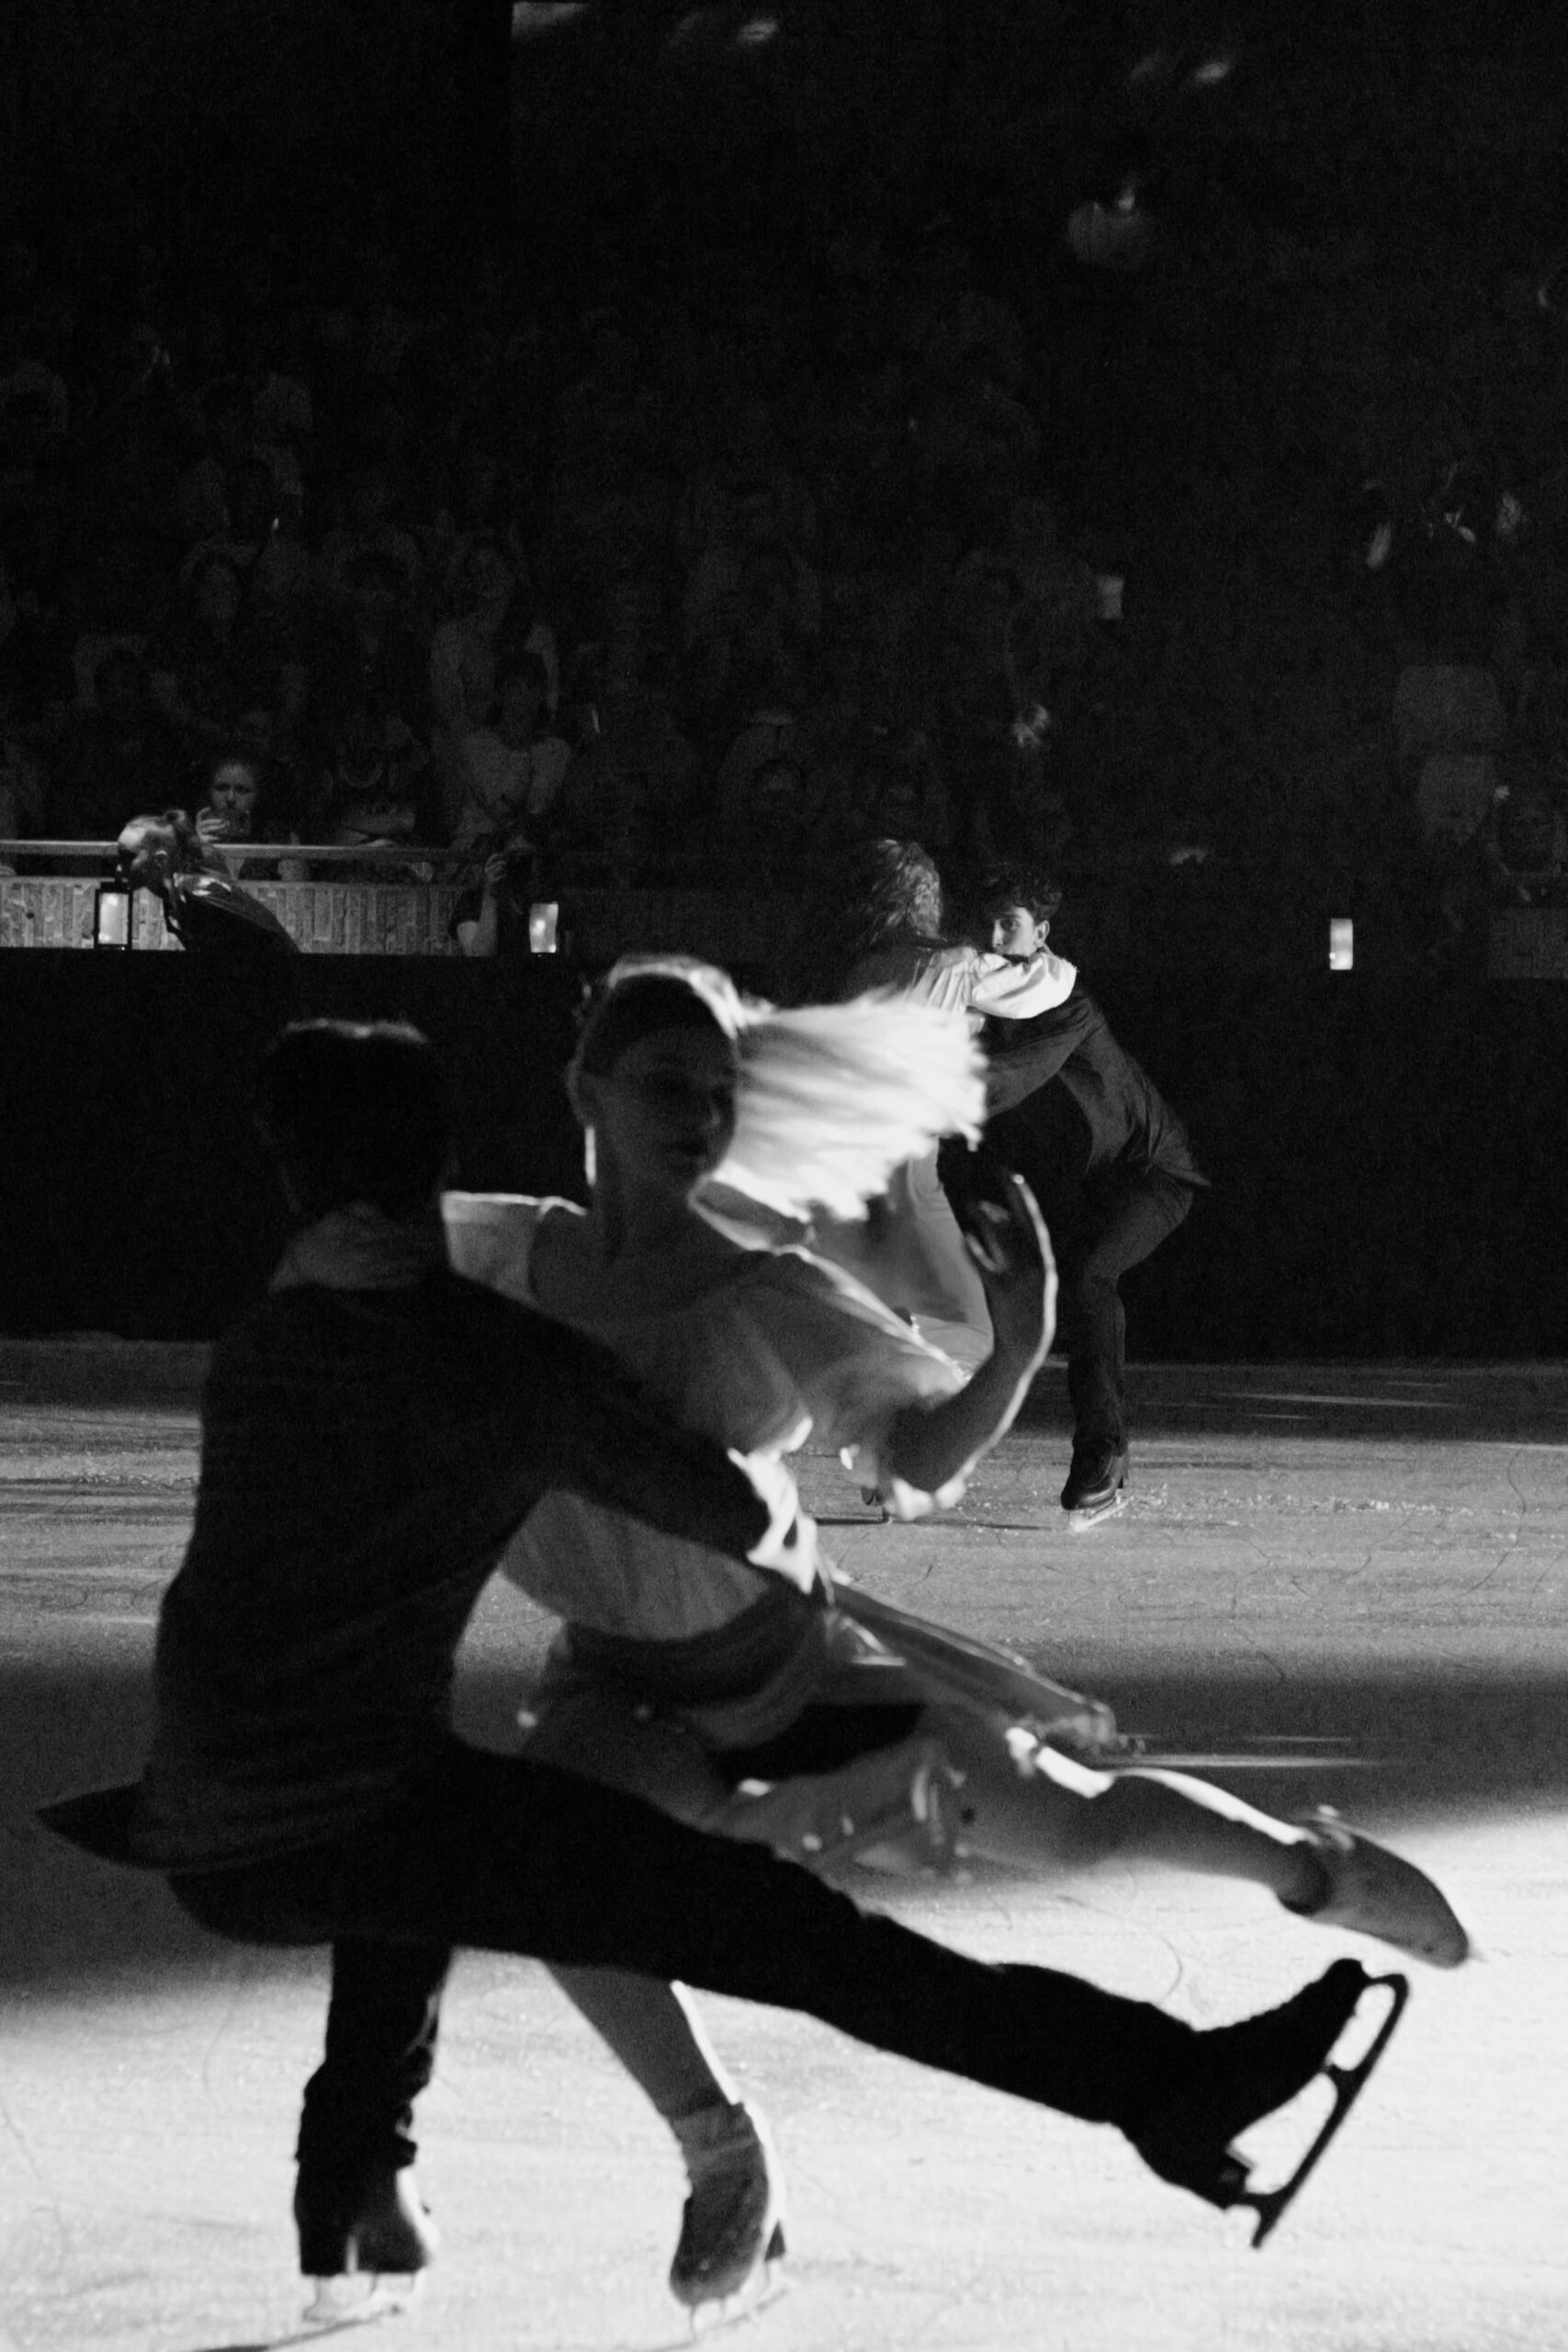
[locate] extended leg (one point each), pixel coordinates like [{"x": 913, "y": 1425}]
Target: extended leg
[
  {"x": 504, "y": 1856},
  {"x": 1043, "y": 1811},
  {"x": 1051, "y": 1813}
]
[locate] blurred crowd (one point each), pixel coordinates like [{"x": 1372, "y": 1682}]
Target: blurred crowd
[
  {"x": 682, "y": 588},
  {"x": 691, "y": 576}
]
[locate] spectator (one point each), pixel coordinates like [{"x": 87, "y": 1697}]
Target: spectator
[
  {"x": 237, "y": 808},
  {"x": 265, "y": 545},
  {"x": 230, "y": 806},
  {"x": 34, "y": 674},
  {"x": 370, "y": 655},
  {"x": 769, "y": 734},
  {"x": 35, "y": 412},
  {"x": 513, "y": 770},
  {"x": 901, "y": 789},
  {"x": 213, "y": 666},
  {"x": 120, "y": 602},
  {"x": 492, "y": 916},
  {"x": 371, "y": 796},
  {"x": 949, "y": 324},
  {"x": 204, "y": 909},
  {"x": 494, "y": 617},
  {"x": 771, "y": 846},
  {"x": 21, "y": 787},
  {"x": 628, "y": 804},
  {"x": 750, "y": 562},
  {"x": 481, "y": 505},
  {"x": 976, "y": 447},
  {"x": 113, "y": 760},
  {"x": 1524, "y": 845},
  {"x": 202, "y": 499},
  {"x": 370, "y": 526},
  {"x": 282, "y": 413}
]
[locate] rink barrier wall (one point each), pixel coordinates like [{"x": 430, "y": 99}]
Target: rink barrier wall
[{"x": 1387, "y": 1158}]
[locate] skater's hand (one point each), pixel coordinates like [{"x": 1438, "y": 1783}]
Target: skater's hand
[
  {"x": 933, "y": 1448},
  {"x": 1005, "y": 1235}
]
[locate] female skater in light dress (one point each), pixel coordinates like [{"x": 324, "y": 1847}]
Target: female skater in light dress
[{"x": 742, "y": 1709}]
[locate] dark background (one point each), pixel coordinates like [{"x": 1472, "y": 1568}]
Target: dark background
[
  {"x": 1386, "y": 1146},
  {"x": 1367, "y": 1199}
]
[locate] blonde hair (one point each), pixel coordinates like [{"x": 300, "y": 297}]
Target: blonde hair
[{"x": 830, "y": 1099}]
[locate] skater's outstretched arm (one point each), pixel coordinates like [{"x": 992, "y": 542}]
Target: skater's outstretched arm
[
  {"x": 930, "y": 1445},
  {"x": 1043, "y": 1048}
]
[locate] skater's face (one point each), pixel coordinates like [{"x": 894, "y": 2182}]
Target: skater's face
[
  {"x": 1015, "y": 932},
  {"x": 665, "y": 1113}
]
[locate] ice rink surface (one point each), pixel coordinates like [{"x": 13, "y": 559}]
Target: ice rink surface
[{"x": 1368, "y": 1555}]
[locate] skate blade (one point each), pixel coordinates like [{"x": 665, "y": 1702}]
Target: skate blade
[
  {"x": 360, "y": 2295},
  {"x": 1346, "y": 2084},
  {"x": 765, "y": 2286},
  {"x": 762, "y": 2284},
  {"x": 1080, "y": 1521}
]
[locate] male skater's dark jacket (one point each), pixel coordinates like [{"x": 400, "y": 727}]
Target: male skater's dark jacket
[
  {"x": 1060, "y": 1083},
  {"x": 366, "y": 1454}
]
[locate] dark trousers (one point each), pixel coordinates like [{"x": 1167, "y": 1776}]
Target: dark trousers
[
  {"x": 1099, "y": 1234},
  {"x": 503, "y": 1854}
]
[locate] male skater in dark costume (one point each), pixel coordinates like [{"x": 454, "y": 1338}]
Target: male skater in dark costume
[
  {"x": 1109, "y": 1162},
  {"x": 372, "y": 1434}
]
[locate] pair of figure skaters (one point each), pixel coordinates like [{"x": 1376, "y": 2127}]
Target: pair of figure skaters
[
  {"x": 1108, "y": 1160},
  {"x": 431, "y": 1374}
]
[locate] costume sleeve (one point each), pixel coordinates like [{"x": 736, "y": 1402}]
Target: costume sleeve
[
  {"x": 1037, "y": 1057},
  {"x": 1014, "y": 989},
  {"x": 490, "y": 1237},
  {"x": 856, "y": 1365},
  {"x": 613, "y": 1444}
]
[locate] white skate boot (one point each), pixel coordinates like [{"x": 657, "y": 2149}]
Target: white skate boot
[{"x": 1376, "y": 1893}]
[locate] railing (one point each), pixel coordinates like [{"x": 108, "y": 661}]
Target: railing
[{"x": 409, "y": 913}]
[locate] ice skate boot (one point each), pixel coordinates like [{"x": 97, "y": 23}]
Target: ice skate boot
[
  {"x": 732, "y": 2230},
  {"x": 1375, "y": 1892},
  {"x": 1096, "y": 1487},
  {"x": 364, "y": 2249},
  {"x": 1244, "y": 2072}
]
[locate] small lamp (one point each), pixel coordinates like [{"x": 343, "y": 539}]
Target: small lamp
[{"x": 114, "y": 913}]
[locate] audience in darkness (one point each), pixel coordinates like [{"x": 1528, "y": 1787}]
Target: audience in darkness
[{"x": 693, "y": 570}]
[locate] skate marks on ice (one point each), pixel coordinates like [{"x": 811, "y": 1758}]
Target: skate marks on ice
[{"x": 151, "y": 2078}]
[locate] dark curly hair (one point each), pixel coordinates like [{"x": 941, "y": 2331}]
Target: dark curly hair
[{"x": 1016, "y": 885}]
